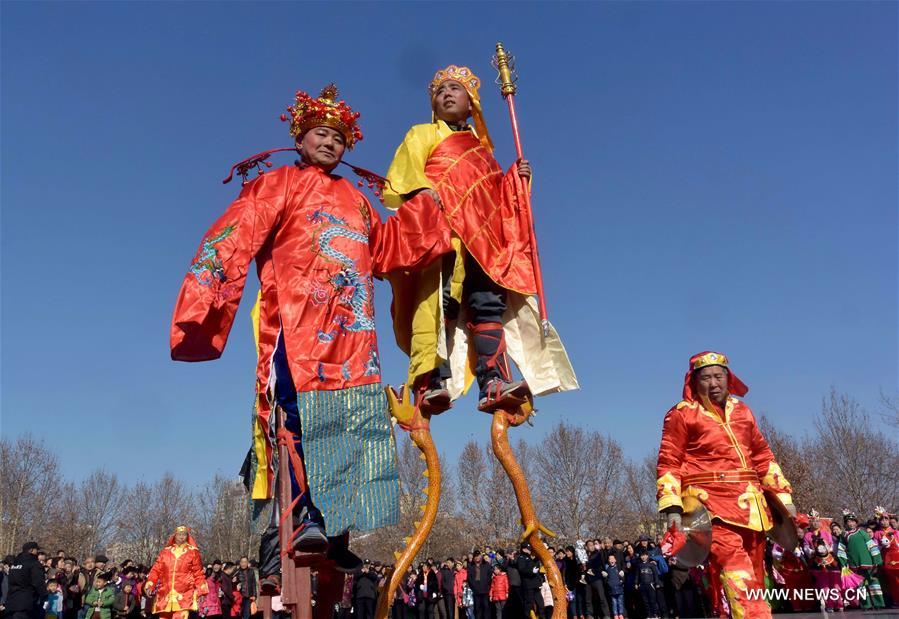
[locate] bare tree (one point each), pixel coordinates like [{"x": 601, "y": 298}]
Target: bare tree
[
  {"x": 889, "y": 406},
  {"x": 138, "y": 534},
  {"x": 101, "y": 500},
  {"x": 149, "y": 516},
  {"x": 572, "y": 480},
  {"x": 472, "y": 477},
  {"x": 639, "y": 510},
  {"x": 224, "y": 519},
  {"x": 30, "y": 482},
  {"x": 797, "y": 458},
  {"x": 856, "y": 456}
]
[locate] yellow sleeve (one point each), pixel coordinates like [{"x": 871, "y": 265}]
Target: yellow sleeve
[{"x": 407, "y": 170}]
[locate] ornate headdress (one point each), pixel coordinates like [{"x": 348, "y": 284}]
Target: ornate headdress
[
  {"x": 705, "y": 359},
  {"x": 813, "y": 513},
  {"x": 471, "y": 83},
  {"x": 849, "y": 515},
  {"x": 881, "y": 512},
  {"x": 309, "y": 112}
]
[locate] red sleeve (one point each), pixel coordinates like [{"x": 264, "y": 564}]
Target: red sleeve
[
  {"x": 154, "y": 575},
  {"x": 409, "y": 240},
  {"x": 211, "y": 290},
  {"x": 671, "y": 459}
]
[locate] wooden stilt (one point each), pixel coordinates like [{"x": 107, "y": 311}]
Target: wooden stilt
[{"x": 297, "y": 594}]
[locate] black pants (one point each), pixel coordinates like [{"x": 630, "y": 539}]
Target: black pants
[
  {"x": 685, "y": 599},
  {"x": 648, "y": 593},
  {"x": 481, "y": 606},
  {"x": 601, "y": 606},
  {"x": 365, "y": 608},
  {"x": 486, "y": 302},
  {"x": 449, "y": 603},
  {"x": 529, "y": 598}
]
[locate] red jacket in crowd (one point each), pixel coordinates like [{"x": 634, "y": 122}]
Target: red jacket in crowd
[{"x": 499, "y": 588}]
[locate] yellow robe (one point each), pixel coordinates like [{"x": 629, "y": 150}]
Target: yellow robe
[{"x": 418, "y": 302}]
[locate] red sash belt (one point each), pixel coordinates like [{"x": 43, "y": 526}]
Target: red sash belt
[{"x": 708, "y": 477}]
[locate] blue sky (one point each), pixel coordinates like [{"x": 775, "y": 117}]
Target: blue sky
[{"x": 708, "y": 176}]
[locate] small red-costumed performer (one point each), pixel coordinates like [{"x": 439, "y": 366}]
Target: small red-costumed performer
[
  {"x": 177, "y": 578},
  {"x": 887, "y": 538},
  {"x": 712, "y": 450}
]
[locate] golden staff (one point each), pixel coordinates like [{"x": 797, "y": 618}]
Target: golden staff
[{"x": 504, "y": 63}]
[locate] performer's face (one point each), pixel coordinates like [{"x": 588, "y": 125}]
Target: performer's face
[
  {"x": 451, "y": 102},
  {"x": 322, "y": 147},
  {"x": 711, "y": 382},
  {"x": 180, "y": 537}
]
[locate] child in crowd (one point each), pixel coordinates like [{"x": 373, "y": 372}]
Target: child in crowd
[
  {"x": 499, "y": 590},
  {"x": 614, "y": 577},
  {"x": 100, "y": 599},
  {"x": 467, "y": 598},
  {"x": 53, "y": 604},
  {"x": 648, "y": 580}
]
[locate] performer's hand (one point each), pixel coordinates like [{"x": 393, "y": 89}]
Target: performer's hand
[
  {"x": 675, "y": 519},
  {"x": 524, "y": 168},
  {"x": 434, "y": 196}
]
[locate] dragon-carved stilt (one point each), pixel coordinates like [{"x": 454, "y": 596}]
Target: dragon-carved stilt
[
  {"x": 410, "y": 418},
  {"x": 499, "y": 435}
]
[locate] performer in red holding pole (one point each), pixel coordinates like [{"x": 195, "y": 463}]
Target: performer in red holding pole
[
  {"x": 483, "y": 295},
  {"x": 712, "y": 450}
]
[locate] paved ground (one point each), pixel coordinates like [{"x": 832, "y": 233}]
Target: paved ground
[{"x": 849, "y": 613}]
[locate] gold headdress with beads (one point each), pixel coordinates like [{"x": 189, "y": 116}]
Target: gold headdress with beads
[
  {"x": 471, "y": 83},
  {"x": 309, "y": 112},
  {"x": 709, "y": 358}
]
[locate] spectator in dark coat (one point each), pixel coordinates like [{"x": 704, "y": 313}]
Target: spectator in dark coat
[
  {"x": 26, "y": 586},
  {"x": 226, "y": 587},
  {"x": 648, "y": 580},
  {"x": 365, "y": 592},
  {"x": 479, "y": 576},
  {"x": 595, "y": 583},
  {"x": 248, "y": 587},
  {"x": 529, "y": 570},
  {"x": 447, "y": 586}
]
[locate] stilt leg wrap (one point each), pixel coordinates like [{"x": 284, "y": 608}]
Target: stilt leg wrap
[{"x": 490, "y": 346}]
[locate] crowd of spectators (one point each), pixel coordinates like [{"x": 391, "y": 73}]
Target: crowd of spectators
[{"x": 602, "y": 577}]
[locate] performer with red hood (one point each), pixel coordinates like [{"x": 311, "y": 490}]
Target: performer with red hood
[
  {"x": 712, "y": 450},
  {"x": 177, "y": 578}
]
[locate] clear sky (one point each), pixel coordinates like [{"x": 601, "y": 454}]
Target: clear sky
[{"x": 708, "y": 176}]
